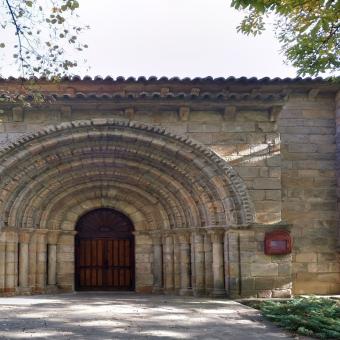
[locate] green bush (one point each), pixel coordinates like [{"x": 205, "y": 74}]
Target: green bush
[{"x": 312, "y": 316}]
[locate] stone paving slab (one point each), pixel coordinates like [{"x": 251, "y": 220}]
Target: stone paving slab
[{"x": 101, "y": 315}]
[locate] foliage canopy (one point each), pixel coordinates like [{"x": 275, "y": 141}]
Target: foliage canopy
[
  {"x": 43, "y": 30},
  {"x": 308, "y": 30}
]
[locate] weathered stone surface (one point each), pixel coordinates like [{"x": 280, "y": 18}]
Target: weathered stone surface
[{"x": 281, "y": 165}]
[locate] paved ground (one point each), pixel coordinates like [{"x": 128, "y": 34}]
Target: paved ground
[{"x": 130, "y": 316}]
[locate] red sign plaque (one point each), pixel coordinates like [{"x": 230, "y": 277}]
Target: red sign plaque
[{"x": 278, "y": 242}]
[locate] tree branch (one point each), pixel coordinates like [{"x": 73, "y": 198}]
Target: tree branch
[{"x": 18, "y": 33}]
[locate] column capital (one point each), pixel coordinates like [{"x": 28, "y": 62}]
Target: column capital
[
  {"x": 41, "y": 231},
  {"x": 183, "y": 238},
  {"x": 25, "y": 236},
  {"x": 156, "y": 239},
  {"x": 53, "y": 236},
  {"x": 216, "y": 236}
]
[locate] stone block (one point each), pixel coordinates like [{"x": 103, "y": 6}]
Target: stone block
[
  {"x": 281, "y": 293},
  {"x": 264, "y": 283},
  {"x": 306, "y": 257},
  {"x": 273, "y": 195},
  {"x": 238, "y": 127},
  {"x": 303, "y": 148},
  {"x": 285, "y": 269},
  {"x": 267, "y": 183},
  {"x": 248, "y": 283},
  {"x": 264, "y": 294},
  {"x": 268, "y": 269}
]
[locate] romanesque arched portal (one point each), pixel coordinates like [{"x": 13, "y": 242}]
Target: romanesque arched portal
[{"x": 180, "y": 196}]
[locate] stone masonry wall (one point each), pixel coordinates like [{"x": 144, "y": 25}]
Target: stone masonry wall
[
  {"x": 286, "y": 159},
  {"x": 247, "y": 139},
  {"x": 307, "y": 127}
]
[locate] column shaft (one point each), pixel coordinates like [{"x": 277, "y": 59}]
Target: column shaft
[
  {"x": 185, "y": 265},
  {"x": 41, "y": 262},
  {"x": 168, "y": 264},
  {"x": 218, "y": 264},
  {"x": 11, "y": 277},
  {"x": 23, "y": 265},
  {"x": 199, "y": 264},
  {"x": 32, "y": 261},
  {"x": 2, "y": 265},
  {"x": 52, "y": 264},
  {"x": 177, "y": 269},
  {"x": 208, "y": 264},
  {"x": 157, "y": 265}
]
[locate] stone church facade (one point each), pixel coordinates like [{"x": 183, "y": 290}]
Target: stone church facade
[{"x": 171, "y": 186}]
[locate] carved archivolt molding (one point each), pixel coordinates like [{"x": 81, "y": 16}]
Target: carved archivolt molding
[{"x": 173, "y": 181}]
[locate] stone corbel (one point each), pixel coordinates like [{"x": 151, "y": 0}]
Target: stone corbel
[
  {"x": 184, "y": 113},
  {"x": 274, "y": 112},
  {"x": 18, "y": 114},
  {"x": 66, "y": 112},
  {"x": 313, "y": 93},
  {"x": 195, "y": 91},
  {"x": 164, "y": 91},
  {"x": 130, "y": 113},
  {"x": 229, "y": 112}
]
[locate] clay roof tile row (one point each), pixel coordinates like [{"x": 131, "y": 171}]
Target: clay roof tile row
[
  {"x": 171, "y": 95},
  {"x": 152, "y": 79}
]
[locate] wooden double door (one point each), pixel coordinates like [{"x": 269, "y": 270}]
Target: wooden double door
[{"x": 104, "y": 251}]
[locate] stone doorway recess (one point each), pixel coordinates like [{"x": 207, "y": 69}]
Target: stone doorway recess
[{"x": 104, "y": 255}]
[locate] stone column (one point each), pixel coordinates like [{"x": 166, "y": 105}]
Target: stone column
[
  {"x": 32, "y": 249},
  {"x": 41, "y": 278},
  {"x": 208, "y": 264},
  {"x": 226, "y": 262},
  {"x": 168, "y": 263},
  {"x": 157, "y": 264},
  {"x": 52, "y": 240},
  {"x": 24, "y": 239},
  {"x": 11, "y": 270},
  {"x": 199, "y": 264},
  {"x": 218, "y": 263},
  {"x": 65, "y": 261},
  {"x": 2, "y": 261},
  {"x": 52, "y": 265},
  {"x": 177, "y": 264},
  {"x": 185, "y": 265}
]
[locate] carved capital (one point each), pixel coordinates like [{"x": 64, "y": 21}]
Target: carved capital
[{"x": 216, "y": 236}]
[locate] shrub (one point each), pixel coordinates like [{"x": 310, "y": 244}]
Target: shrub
[{"x": 312, "y": 316}]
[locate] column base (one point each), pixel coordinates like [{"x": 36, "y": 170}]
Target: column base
[
  {"x": 218, "y": 293},
  {"x": 51, "y": 289},
  {"x": 24, "y": 291},
  {"x": 157, "y": 290},
  {"x": 199, "y": 292},
  {"x": 185, "y": 292}
]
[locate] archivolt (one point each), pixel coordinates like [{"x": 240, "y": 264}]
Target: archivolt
[{"x": 173, "y": 181}]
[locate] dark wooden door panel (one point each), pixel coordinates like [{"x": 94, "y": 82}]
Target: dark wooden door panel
[
  {"x": 104, "y": 264},
  {"x": 104, "y": 252}
]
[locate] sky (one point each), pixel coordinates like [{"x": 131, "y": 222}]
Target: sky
[{"x": 184, "y": 38}]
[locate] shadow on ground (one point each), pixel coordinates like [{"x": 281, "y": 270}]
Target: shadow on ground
[{"x": 130, "y": 316}]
